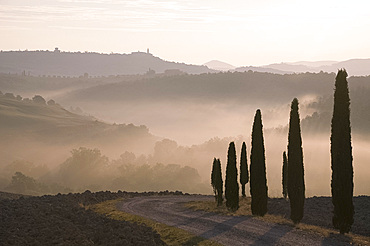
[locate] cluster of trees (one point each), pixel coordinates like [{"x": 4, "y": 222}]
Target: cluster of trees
[
  {"x": 36, "y": 99},
  {"x": 257, "y": 178},
  {"x": 23, "y": 184},
  {"x": 89, "y": 169},
  {"x": 293, "y": 184}
]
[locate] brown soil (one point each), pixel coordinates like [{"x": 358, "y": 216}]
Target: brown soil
[{"x": 63, "y": 220}]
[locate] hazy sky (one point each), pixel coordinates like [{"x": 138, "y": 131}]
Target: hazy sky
[{"x": 240, "y": 32}]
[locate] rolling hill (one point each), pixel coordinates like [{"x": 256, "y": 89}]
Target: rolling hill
[
  {"x": 219, "y": 65},
  {"x": 354, "y": 67},
  {"x": 35, "y": 127}
]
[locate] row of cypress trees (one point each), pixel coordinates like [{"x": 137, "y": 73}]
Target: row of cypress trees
[
  {"x": 293, "y": 169},
  {"x": 341, "y": 160},
  {"x": 258, "y": 186}
]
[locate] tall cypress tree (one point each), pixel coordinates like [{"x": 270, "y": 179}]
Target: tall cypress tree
[
  {"x": 231, "y": 182},
  {"x": 214, "y": 177},
  {"x": 216, "y": 181},
  {"x": 296, "y": 186},
  {"x": 341, "y": 156},
  {"x": 258, "y": 186},
  {"x": 244, "y": 176},
  {"x": 285, "y": 176}
]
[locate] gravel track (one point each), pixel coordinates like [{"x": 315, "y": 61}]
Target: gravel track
[{"x": 227, "y": 230}]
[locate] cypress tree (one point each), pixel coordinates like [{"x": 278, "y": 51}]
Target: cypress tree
[
  {"x": 285, "y": 176},
  {"x": 258, "y": 186},
  {"x": 213, "y": 177},
  {"x": 244, "y": 176},
  {"x": 216, "y": 181},
  {"x": 231, "y": 182},
  {"x": 296, "y": 186},
  {"x": 341, "y": 156}
]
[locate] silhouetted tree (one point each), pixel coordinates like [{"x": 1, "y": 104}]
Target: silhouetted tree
[
  {"x": 341, "y": 156},
  {"x": 39, "y": 99},
  {"x": 84, "y": 168},
  {"x": 285, "y": 176},
  {"x": 216, "y": 181},
  {"x": 258, "y": 186},
  {"x": 22, "y": 184},
  {"x": 296, "y": 187},
  {"x": 244, "y": 176},
  {"x": 51, "y": 102},
  {"x": 231, "y": 182},
  {"x": 9, "y": 95}
]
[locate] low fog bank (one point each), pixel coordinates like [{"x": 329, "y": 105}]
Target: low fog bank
[
  {"x": 90, "y": 169},
  {"x": 316, "y": 150},
  {"x": 317, "y": 162},
  {"x": 175, "y": 167},
  {"x": 192, "y": 123}
]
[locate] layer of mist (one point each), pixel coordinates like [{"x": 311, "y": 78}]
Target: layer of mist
[{"x": 167, "y": 126}]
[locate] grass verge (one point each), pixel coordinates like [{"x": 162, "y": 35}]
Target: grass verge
[
  {"x": 245, "y": 210},
  {"x": 169, "y": 234}
]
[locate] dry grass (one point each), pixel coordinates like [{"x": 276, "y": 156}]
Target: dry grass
[
  {"x": 169, "y": 234},
  {"x": 245, "y": 210}
]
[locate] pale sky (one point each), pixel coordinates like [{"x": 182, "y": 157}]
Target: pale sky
[{"x": 239, "y": 32}]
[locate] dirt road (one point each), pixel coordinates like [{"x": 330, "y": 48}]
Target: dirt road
[{"x": 227, "y": 230}]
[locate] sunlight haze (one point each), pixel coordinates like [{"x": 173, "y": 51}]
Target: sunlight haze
[{"x": 241, "y": 33}]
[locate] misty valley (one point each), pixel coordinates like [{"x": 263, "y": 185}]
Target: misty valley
[
  {"x": 181, "y": 122},
  {"x": 83, "y": 141}
]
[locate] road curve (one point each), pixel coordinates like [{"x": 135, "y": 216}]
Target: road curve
[{"x": 227, "y": 230}]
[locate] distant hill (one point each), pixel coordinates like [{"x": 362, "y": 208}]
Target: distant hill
[
  {"x": 313, "y": 63},
  {"x": 261, "y": 70},
  {"x": 94, "y": 64},
  {"x": 354, "y": 67},
  {"x": 219, "y": 65}
]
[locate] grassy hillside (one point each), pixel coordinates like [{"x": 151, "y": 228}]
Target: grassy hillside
[
  {"x": 28, "y": 127},
  {"x": 31, "y": 115}
]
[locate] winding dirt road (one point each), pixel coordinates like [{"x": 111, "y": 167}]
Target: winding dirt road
[{"x": 227, "y": 230}]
